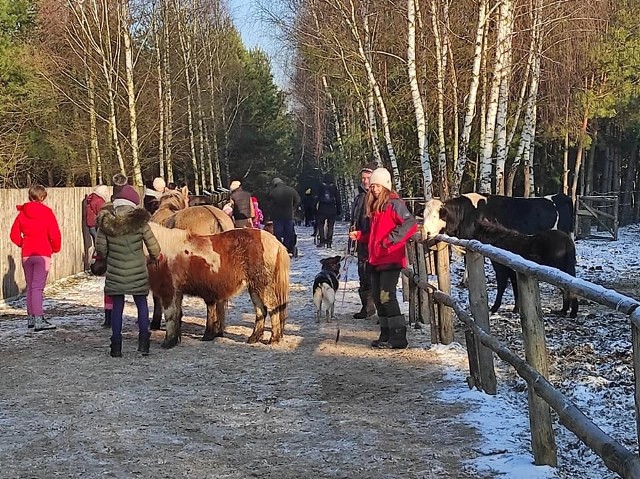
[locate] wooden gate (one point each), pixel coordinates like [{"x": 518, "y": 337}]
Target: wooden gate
[{"x": 600, "y": 212}]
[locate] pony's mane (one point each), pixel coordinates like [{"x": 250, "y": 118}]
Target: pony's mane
[{"x": 172, "y": 200}]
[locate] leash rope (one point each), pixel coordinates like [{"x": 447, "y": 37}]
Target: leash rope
[{"x": 347, "y": 257}]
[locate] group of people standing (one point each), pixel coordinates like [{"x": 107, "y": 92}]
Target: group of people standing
[{"x": 119, "y": 228}]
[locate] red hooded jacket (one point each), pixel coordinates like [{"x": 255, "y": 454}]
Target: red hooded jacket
[
  {"x": 94, "y": 203},
  {"x": 36, "y": 230},
  {"x": 390, "y": 229}
]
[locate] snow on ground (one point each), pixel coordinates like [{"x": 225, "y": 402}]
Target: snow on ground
[{"x": 590, "y": 356}]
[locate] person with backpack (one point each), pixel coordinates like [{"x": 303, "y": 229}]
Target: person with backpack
[{"x": 328, "y": 208}]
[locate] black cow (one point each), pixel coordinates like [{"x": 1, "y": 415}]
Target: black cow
[{"x": 458, "y": 217}]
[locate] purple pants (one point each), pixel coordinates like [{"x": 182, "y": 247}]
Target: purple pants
[
  {"x": 118, "y": 308},
  {"x": 36, "y": 270}
]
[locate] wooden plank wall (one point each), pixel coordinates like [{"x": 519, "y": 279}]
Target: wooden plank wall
[{"x": 73, "y": 258}]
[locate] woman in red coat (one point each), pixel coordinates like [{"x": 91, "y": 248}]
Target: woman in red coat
[
  {"x": 391, "y": 225},
  {"x": 36, "y": 232}
]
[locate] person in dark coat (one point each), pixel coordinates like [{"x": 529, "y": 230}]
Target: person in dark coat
[
  {"x": 242, "y": 213},
  {"x": 360, "y": 222},
  {"x": 152, "y": 193},
  {"x": 329, "y": 206},
  {"x": 284, "y": 200},
  {"x": 391, "y": 225},
  {"x": 123, "y": 231}
]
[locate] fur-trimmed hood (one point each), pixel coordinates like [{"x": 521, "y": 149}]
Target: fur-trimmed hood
[{"x": 123, "y": 220}]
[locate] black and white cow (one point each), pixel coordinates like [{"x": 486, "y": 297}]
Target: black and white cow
[{"x": 458, "y": 216}]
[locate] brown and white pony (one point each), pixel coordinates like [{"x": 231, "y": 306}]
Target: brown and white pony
[
  {"x": 216, "y": 268},
  {"x": 174, "y": 212}
]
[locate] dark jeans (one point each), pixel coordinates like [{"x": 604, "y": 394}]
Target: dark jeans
[
  {"x": 285, "y": 231},
  {"x": 116, "y": 315},
  {"x": 364, "y": 275},
  {"x": 384, "y": 285},
  {"x": 325, "y": 227}
]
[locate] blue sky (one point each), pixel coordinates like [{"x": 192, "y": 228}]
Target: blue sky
[{"x": 257, "y": 33}]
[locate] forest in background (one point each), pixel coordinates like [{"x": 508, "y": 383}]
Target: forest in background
[{"x": 523, "y": 97}]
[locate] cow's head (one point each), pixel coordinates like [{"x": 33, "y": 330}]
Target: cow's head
[
  {"x": 455, "y": 217},
  {"x": 433, "y": 222}
]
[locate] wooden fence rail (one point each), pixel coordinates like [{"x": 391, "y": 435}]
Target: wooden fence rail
[
  {"x": 66, "y": 203},
  {"x": 534, "y": 370}
]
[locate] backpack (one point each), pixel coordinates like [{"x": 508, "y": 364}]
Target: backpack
[{"x": 326, "y": 195}]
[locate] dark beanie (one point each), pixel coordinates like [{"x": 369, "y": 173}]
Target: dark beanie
[{"x": 127, "y": 193}]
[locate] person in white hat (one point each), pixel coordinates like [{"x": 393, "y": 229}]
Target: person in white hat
[
  {"x": 391, "y": 225},
  {"x": 242, "y": 205}
]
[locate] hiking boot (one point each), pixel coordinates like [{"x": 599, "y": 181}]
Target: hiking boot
[
  {"x": 397, "y": 334},
  {"x": 384, "y": 333},
  {"x": 368, "y": 308},
  {"x": 42, "y": 324},
  {"x": 144, "y": 341},
  {"x": 31, "y": 321},
  {"x": 116, "y": 349},
  {"x": 107, "y": 319}
]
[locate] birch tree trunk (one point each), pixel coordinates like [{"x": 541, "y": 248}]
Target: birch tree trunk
[
  {"x": 503, "y": 96},
  {"x": 131, "y": 93},
  {"x": 214, "y": 156},
  {"x": 199, "y": 112},
  {"x": 168, "y": 93},
  {"x": 486, "y": 147},
  {"x": 579, "y": 153},
  {"x": 421, "y": 121},
  {"x": 441, "y": 60},
  {"x": 94, "y": 150},
  {"x": 161, "y": 98},
  {"x": 350, "y": 20},
  {"x": 186, "y": 58},
  {"x": 470, "y": 108},
  {"x": 334, "y": 113}
]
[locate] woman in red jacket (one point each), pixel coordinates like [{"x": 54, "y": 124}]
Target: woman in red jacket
[
  {"x": 391, "y": 225},
  {"x": 37, "y": 233}
]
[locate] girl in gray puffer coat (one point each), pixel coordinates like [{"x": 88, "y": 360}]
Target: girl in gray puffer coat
[{"x": 122, "y": 232}]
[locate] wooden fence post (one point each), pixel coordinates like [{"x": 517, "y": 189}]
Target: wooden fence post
[
  {"x": 432, "y": 268},
  {"x": 635, "y": 338},
  {"x": 486, "y": 380},
  {"x": 444, "y": 285},
  {"x": 426, "y": 304},
  {"x": 409, "y": 288},
  {"x": 543, "y": 440}
]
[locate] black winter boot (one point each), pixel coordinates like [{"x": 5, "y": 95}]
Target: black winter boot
[
  {"x": 116, "y": 349},
  {"x": 107, "y": 319},
  {"x": 397, "y": 334},
  {"x": 144, "y": 341},
  {"x": 368, "y": 307},
  {"x": 384, "y": 333}
]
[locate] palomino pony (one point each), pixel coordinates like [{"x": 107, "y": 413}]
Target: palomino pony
[
  {"x": 174, "y": 212},
  {"x": 216, "y": 268},
  {"x": 458, "y": 217}
]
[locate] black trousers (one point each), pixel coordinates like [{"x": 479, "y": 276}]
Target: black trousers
[
  {"x": 364, "y": 275},
  {"x": 325, "y": 223},
  {"x": 384, "y": 285}
]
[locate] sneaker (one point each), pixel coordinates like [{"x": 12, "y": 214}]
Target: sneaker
[
  {"x": 31, "y": 321},
  {"x": 42, "y": 324}
]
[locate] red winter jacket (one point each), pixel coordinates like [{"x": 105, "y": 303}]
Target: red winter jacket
[
  {"x": 94, "y": 203},
  {"x": 36, "y": 230},
  {"x": 390, "y": 229}
]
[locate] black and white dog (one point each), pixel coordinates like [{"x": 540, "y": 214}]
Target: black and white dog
[{"x": 325, "y": 286}]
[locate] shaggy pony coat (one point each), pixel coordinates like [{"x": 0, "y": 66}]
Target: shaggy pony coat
[{"x": 216, "y": 268}]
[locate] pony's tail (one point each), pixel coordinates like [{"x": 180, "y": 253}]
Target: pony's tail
[{"x": 281, "y": 288}]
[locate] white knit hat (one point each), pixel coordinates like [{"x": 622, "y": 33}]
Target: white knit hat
[
  {"x": 234, "y": 185},
  {"x": 159, "y": 184},
  {"x": 102, "y": 191},
  {"x": 382, "y": 177}
]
